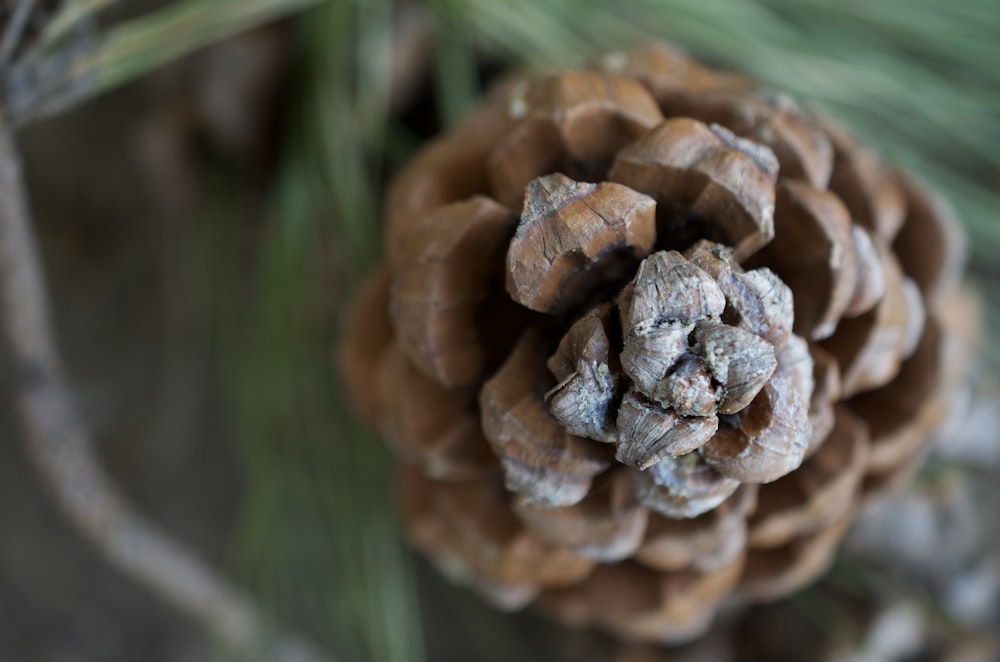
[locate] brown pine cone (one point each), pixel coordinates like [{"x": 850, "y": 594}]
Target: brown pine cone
[{"x": 645, "y": 338}]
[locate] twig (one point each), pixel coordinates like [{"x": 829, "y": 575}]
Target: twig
[
  {"x": 75, "y": 60},
  {"x": 58, "y": 442},
  {"x": 14, "y": 29}
]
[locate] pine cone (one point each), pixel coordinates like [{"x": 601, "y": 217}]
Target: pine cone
[{"x": 645, "y": 338}]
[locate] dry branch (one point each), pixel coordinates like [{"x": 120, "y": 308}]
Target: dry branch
[{"x": 57, "y": 440}]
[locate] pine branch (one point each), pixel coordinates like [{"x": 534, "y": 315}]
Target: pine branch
[
  {"x": 58, "y": 442},
  {"x": 74, "y": 61}
]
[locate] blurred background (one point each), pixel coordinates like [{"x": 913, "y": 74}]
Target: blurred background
[{"x": 205, "y": 178}]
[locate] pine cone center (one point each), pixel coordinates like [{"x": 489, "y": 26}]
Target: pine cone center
[{"x": 652, "y": 369}]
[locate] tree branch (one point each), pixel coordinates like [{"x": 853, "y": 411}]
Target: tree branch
[{"x": 58, "y": 442}]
